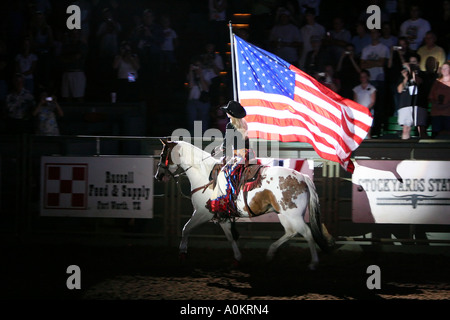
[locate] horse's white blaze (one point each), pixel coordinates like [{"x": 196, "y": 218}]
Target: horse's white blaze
[{"x": 290, "y": 189}]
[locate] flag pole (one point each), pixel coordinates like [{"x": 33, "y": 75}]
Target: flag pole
[{"x": 233, "y": 73}]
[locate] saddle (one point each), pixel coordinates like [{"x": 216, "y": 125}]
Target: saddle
[
  {"x": 245, "y": 178},
  {"x": 250, "y": 177}
]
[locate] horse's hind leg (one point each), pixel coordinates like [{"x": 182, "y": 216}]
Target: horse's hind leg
[
  {"x": 198, "y": 218},
  {"x": 226, "y": 226},
  {"x": 305, "y": 231},
  {"x": 293, "y": 226},
  {"x": 290, "y": 232}
]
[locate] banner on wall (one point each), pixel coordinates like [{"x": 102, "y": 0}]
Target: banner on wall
[
  {"x": 112, "y": 187},
  {"x": 403, "y": 192}
]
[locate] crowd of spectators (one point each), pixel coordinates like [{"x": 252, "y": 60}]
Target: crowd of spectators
[
  {"x": 391, "y": 70},
  {"x": 129, "y": 51}
]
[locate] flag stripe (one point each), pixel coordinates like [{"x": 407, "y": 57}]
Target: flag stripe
[
  {"x": 282, "y": 118},
  {"x": 288, "y": 109},
  {"x": 294, "y": 126},
  {"x": 348, "y": 122},
  {"x": 325, "y": 102},
  {"x": 322, "y": 151},
  {"x": 297, "y": 135},
  {"x": 284, "y": 103},
  {"x": 284, "y": 110}
]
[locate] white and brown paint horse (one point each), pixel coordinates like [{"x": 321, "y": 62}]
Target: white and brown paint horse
[{"x": 284, "y": 191}]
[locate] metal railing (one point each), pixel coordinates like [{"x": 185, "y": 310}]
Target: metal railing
[{"x": 20, "y": 176}]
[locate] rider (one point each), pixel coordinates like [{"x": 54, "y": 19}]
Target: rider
[{"x": 235, "y": 148}]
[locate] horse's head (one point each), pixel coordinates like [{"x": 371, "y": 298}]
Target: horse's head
[
  {"x": 177, "y": 157},
  {"x": 166, "y": 165}
]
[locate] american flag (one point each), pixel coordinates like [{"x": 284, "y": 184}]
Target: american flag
[{"x": 283, "y": 103}]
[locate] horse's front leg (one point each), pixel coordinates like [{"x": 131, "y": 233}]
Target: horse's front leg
[
  {"x": 232, "y": 238},
  {"x": 198, "y": 218}
]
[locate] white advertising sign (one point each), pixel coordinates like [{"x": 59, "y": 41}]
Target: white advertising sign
[
  {"x": 113, "y": 187},
  {"x": 411, "y": 192}
]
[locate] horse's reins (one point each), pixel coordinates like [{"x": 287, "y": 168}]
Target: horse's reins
[{"x": 182, "y": 172}]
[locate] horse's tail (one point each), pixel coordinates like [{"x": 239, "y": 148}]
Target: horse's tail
[{"x": 324, "y": 240}]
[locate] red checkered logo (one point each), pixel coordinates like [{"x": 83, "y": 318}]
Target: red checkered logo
[{"x": 65, "y": 186}]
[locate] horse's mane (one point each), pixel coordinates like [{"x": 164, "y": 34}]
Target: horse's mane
[{"x": 203, "y": 158}]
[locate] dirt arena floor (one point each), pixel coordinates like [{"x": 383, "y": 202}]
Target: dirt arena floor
[{"x": 140, "y": 272}]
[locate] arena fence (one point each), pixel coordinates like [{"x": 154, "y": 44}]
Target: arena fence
[{"x": 20, "y": 194}]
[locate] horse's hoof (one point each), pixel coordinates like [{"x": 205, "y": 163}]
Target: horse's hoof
[
  {"x": 312, "y": 266},
  {"x": 182, "y": 258},
  {"x": 235, "y": 264}
]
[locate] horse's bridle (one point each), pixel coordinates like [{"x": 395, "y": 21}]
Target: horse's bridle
[
  {"x": 167, "y": 162},
  {"x": 179, "y": 172}
]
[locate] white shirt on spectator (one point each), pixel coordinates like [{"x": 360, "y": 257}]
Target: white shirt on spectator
[
  {"x": 415, "y": 30},
  {"x": 363, "y": 96},
  {"x": 169, "y": 36},
  {"x": 375, "y": 52}
]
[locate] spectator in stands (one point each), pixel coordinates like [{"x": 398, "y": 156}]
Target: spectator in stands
[
  {"x": 441, "y": 25},
  {"x": 147, "y": 38},
  {"x": 73, "y": 57},
  {"x": 329, "y": 78},
  {"x": 218, "y": 32},
  {"x": 365, "y": 93},
  {"x": 348, "y": 71},
  {"x": 86, "y": 18},
  {"x": 337, "y": 38},
  {"x": 374, "y": 58},
  {"x": 399, "y": 55},
  {"x": 410, "y": 113},
  {"x": 317, "y": 58},
  {"x": 42, "y": 43},
  {"x": 19, "y": 106},
  {"x": 127, "y": 65},
  {"x": 430, "y": 49},
  {"x": 108, "y": 36},
  {"x": 415, "y": 28},
  {"x": 108, "y": 41},
  {"x": 46, "y": 114},
  {"x": 213, "y": 61},
  {"x": 310, "y": 29},
  {"x": 285, "y": 39},
  {"x": 387, "y": 38},
  {"x": 199, "y": 104},
  {"x": 169, "y": 45},
  {"x": 361, "y": 39},
  {"x": 26, "y": 62},
  {"x": 428, "y": 77},
  {"x": 391, "y": 8},
  {"x": 440, "y": 102},
  {"x": 261, "y": 21}
]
